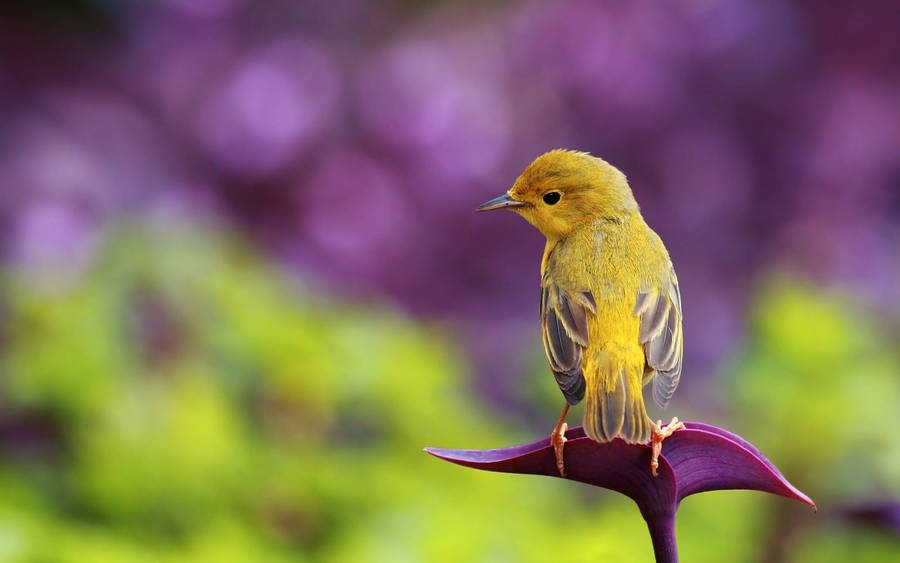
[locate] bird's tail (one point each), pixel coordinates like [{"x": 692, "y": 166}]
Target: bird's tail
[{"x": 616, "y": 408}]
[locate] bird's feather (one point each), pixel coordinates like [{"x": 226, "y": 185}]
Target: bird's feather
[
  {"x": 564, "y": 331},
  {"x": 614, "y": 410},
  {"x": 661, "y": 335},
  {"x": 615, "y": 406}
]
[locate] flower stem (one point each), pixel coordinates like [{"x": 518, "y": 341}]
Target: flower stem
[{"x": 662, "y": 532}]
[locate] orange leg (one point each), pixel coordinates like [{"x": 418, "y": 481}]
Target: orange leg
[
  {"x": 558, "y": 439},
  {"x": 658, "y": 434}
]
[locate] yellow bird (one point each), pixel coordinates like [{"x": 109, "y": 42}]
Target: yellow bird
[{"x": 610, "y": 303}]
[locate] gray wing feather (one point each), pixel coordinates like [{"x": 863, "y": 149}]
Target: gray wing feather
[
  {"x": 574, "y": 320},
  {"x": 564, "y": 332},
  {"x": 661, "y": 335}
]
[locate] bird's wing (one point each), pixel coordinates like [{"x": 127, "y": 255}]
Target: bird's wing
[
  {"x": 564, "y": 330},
  {"x": 661, "y": 336}
]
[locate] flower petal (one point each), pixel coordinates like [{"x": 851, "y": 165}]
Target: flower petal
[
  {"x": 700, "y": 458},
  {"x": 707, "y": 458},
  {"x": 614, "y": 465},
  {"x": 696, "y": 459}
]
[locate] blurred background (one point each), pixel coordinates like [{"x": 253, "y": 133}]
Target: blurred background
[{"x": 242, "y": 284}]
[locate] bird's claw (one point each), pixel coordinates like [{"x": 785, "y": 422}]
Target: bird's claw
[
  {"x": 558, "y": 439},
  {"x": 659, "y": 433}
]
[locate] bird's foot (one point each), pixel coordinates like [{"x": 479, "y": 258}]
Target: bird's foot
[
  {"x": 558, "y": 439},
  {"x": 658, "y": 433}
]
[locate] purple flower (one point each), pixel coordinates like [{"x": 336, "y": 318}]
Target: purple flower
[
  {"x": 273, "y": 104},
  {"x": 884, "y": 515},
  {"x": 694, "y": 460}
]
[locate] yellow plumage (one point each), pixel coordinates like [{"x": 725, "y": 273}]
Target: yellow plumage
[{"x": 610, "y": 304}]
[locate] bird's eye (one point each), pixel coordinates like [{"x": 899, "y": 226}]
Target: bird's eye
[{"x": 551, "y": 198}]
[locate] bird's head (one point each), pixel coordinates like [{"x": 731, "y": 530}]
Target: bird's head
[{"x": 563, "y": 189}]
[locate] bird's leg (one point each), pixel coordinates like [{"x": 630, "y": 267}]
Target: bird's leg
[
  {"x": 558, "y": 439},
  {"x": 659, "y": 433}
]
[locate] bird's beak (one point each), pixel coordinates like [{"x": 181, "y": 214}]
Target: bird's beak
[{"x": 499, "y": 203}]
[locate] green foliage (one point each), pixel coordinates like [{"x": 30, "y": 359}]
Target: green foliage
[
  {"x": 826, "y": 377},
  {"x": 817, "y": 390},
  {"x": 198, "y": 406},
  {"x": 208, "y": 410},
  {"x": 838, "y": 544}
]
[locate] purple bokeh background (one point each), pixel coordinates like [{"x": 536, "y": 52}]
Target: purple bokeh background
[{"x": 352, "y": 140}]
